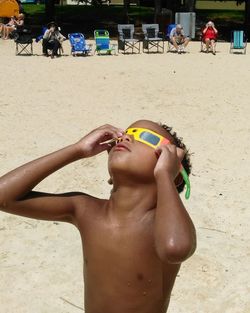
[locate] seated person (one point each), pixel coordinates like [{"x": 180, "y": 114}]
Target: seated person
[
  {"x": 178, "y": 38},
  {"x": 209, "y": 35},
  {"x": 52, "y": 40},
  {"x": 11, "y": 26},
  {"x": 3, "y": 27}
]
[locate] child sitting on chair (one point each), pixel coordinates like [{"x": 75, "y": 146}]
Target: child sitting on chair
[{"x": 135, "y": 241}]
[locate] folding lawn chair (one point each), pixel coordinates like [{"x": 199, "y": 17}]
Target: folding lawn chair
[
  {"x": 152, "y": 38},
  {"x": 126, "y": 40},
  {"x": 24, "y": 42},
  {"x": 238, "y": 41},
  {"x": 79, "y": 45},
  {"x": 168, "y": 31},
  {"x": 102, "y": 41}
]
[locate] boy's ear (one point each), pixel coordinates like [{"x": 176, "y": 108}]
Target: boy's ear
[{"x": 178, "y": 180}]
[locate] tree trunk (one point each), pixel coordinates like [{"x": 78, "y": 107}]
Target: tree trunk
[
  {"x": 173, "y": 5},
  {"x": 247, "y": 16},
  {"x": 190, "y": 5},
  {"x": 50, "y": 10},
  {"x": 126, "y": 5},
  {"x": 126, "y": 8},
  {"x": 158, "y": 8}
]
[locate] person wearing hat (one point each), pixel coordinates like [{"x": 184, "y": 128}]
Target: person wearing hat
[
  {"x": 178, "y": 38},
  {"x": 52, "y": 40}
]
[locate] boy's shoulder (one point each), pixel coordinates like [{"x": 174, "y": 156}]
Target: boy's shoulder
[
  {"x": 81, "y": 198},
  {"x": 84, "y": 201}
]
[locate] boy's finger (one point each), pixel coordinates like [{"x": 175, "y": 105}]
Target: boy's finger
[
  {"x": 114, "y": 133},
  {"x": 180, "y": 154},
  {"x": 103, "y": 147},
  {"x": 113, "y": 129},
  {"x": 158, "y": 151}
]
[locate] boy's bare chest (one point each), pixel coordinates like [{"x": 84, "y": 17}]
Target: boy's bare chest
[
  {"x": 121, "y": 240},
  {"x": 120, "y": 248},
  {"x": 121, "y": 265}
]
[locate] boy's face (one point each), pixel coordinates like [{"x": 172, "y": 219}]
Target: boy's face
[{"x": 134, "y": 158}]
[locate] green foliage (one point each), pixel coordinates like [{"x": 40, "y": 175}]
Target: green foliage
[
  {"x": 85, "y": 19},
  {"x": 81, "y": 18},
  {"x": 32, "y": 9},
  {"x": 227, "y": 15}
]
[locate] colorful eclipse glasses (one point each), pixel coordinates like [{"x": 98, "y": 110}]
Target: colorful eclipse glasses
[{"x": 154, "y": 140}]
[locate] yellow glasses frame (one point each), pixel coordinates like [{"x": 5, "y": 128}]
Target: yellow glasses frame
[
  {"x": 154, "y": 140},
  {"x": 147, "y": 137}
]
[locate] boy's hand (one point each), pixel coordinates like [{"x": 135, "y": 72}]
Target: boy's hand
[
  {"x": 95, "y": 141},
  {"x": 169, "y": 160}
]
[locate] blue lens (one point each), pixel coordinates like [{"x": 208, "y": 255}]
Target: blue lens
[{"x": 154, "y": 140}]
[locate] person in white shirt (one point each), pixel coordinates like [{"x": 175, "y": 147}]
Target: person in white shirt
[
  {"x": 178, "y": 38},
  {"x": 52, "y": 40}
]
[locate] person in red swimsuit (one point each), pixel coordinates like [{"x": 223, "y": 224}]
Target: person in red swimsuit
[{"x": 209, "y": 35}]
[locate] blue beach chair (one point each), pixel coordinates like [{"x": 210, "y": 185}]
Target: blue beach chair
[
  {"x": 102, "y": 41},
  {"x": 238, "y": 41},
  {"x": 79, "y": 45},
  {"x": 168, "y": 31}
]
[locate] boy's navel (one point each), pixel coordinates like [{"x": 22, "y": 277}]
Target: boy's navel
[{"x": 140, "y": 276}]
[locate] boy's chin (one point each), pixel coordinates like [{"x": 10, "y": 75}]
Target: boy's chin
[
  {"x": 133, "y": 174},
  {"x": 136, "y": 170}
]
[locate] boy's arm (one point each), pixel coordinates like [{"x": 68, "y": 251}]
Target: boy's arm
[
  {"x": 175, "y": 237},
  {"x": 50, "y": 207},
  {"x": 16, "y": 186}
]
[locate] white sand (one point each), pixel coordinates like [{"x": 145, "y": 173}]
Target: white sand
[{"x": 46, "y": 104}]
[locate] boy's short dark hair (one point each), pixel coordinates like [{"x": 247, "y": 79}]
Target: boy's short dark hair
[{"x": 186, "y": 160}]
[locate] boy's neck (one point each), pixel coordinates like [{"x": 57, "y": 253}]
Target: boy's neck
[{"x": 132, "y": 201}]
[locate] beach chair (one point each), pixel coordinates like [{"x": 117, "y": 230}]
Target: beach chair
[
  {"x": 40, "y": 37},
  {"x": 102, "y": 41},
  {"x": 24, "y": 42},
  {"x": 126, "y": 40},
  {"x": 170, "y": 47},
  {"x": 238, "y": 41},
  {"x": 152, "y": 38},
  {"x": 79, "y": 45}
]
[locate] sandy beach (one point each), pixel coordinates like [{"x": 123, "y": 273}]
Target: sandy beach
[{"x": 47, "y": 104}]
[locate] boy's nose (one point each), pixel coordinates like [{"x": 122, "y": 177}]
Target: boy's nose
[{"x": 125, "y": 137}]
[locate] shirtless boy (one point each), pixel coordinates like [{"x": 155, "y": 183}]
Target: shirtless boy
[{"x": 135, "y": 241}]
